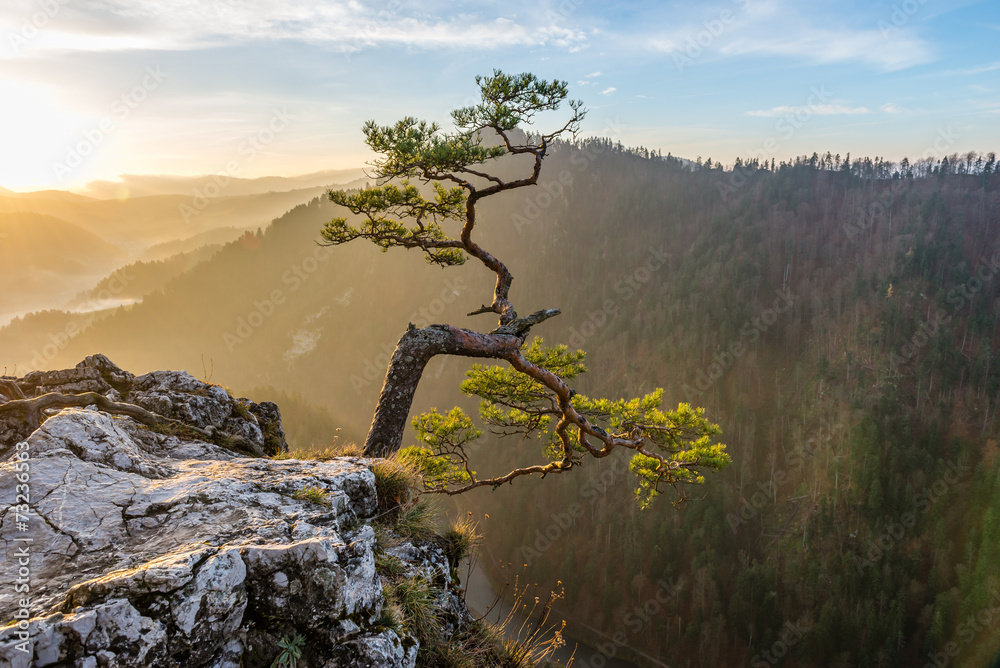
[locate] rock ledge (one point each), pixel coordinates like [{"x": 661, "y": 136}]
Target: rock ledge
[{"x": 138, "y": 548}]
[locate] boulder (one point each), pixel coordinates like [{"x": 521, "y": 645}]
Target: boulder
[
  {"x": 145, "y": 549},
  {"x": 176, "y": 395},
  {"x": 65, "y": 381},
  {"x": 137, "y": 545},
  {"x": 181, "y": 396},
  {"x": 117, "y": 378}
]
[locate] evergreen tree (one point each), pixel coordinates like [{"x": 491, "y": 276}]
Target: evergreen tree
[{"x": 533, "y": 394}]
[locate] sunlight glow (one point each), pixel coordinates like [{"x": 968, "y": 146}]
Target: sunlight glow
[{"x": 34, "y": 128}]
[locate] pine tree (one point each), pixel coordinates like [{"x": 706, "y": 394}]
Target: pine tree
[{"x": 531, "y": 396}]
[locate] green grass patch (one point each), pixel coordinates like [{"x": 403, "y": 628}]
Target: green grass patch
[{"x": 313, "y": 495}]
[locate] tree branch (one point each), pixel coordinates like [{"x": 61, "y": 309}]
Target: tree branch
[
  {"x": 521, "y": 326},
  {"x": 413, "y": 351}
]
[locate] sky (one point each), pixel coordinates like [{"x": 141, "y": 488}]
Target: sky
[{"x": 94, "y": 89}]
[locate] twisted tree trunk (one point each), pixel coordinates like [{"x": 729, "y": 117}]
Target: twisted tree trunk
[{"x": 413, "y": 351}]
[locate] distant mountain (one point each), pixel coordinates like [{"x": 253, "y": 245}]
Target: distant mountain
[
  {"x": 300, "y": 310},
  {"x": 61, "y": 195},
  {"x": 31, "y": 341},
  {"x": 133, "y": 282},
  {"x": 148, "y": 228},
  {"x": 144, "y": 185},
  {"x": 213, "y": 238},
  {"x": 138, "y": 223},
  {"x": 42, "y": 259}
]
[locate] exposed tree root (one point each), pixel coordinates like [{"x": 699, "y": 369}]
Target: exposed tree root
[
  {"x": 9, "y": 389},
  {"x": 32, "y": 410}
]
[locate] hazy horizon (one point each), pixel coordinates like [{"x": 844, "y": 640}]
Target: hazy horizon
[{"x": 184, "y": 182}]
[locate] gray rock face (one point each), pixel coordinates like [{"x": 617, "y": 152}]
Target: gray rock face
[
  {"x": 119, "y": 379},
  {"x": 96, "y": 373},
  {"x": 171, "y": 394},
  {"x": 148, "y": 550},
  {"x": 181, "y": 396},
  {"x": 269, "y": 419},
  {"x": 130, "y": 547},
  {"x": 66, "y": 381},
  {"x": 379, "y": 650}
]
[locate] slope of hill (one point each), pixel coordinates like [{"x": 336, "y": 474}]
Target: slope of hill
[
  {"x": 32, "y": 341},
  {"x": 134, "y": 281},
  {"x": 42, "y": 258},
  {"x": 137, "y": 223},
  {"x": 61, "y": 195},
  {"x": 840, "y": 323},
  {"x": 148, "y": 228},
  {"x": 213, "y": 238},
  {"x": 299, "y": 309}
]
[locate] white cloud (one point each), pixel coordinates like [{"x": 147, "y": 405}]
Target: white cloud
[
  {"x": 593, "y": 74},
  {"x": 829, "y": 46},
  {"x": 891, "y": 108},
  {"x": 814, "y": 109},
  {"x": 341, "y": 26},
  {"x": 608, "y": 91},
  {"x": 783, "y": 29},
  {"x": 982, "y": 69}
]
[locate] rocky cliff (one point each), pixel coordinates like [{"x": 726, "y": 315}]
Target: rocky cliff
[{"x": 139, "y": 529}]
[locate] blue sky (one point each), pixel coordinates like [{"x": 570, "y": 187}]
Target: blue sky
[{"x": 94, "y": 89}]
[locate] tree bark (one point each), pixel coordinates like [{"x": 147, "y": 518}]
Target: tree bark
[{"x": 413, "y": 351}]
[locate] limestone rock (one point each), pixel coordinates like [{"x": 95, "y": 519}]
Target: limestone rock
[
  {"x": 148, "y": 550},
  {"x": 117, "y": 378},
  {"x": 171, "y": 394},
  {"x": 136, "y": 548},
  {"x": 381, "y": 650},
  {"x": 181, "y": 396},
  {"x": 66, "y": 381},
  {"x": 269, "y": 419}
]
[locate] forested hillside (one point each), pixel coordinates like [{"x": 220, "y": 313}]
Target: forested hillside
[
  {"x": 837, "y": 318},
  {"x": 841, "y": 324}
]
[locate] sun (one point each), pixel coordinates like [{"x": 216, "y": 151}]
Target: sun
[{"x": 34, "y": 128}]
